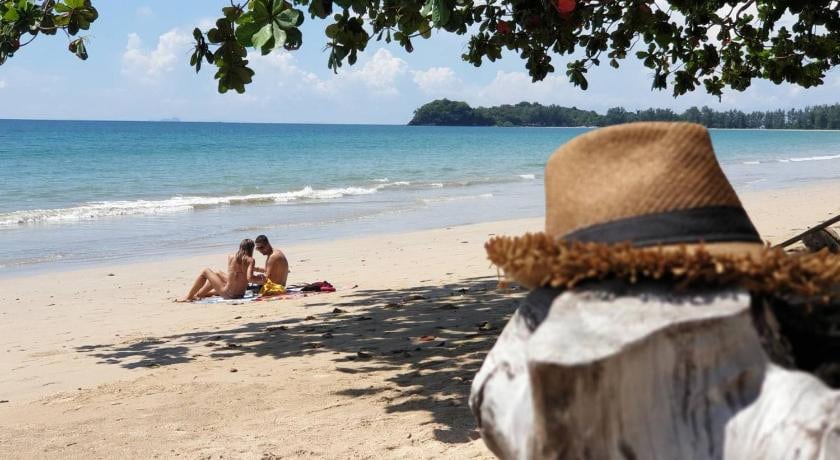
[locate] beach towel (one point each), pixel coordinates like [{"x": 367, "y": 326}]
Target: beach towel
[
  {"x": 295, "y": 292},
  {"x": 221, "y": 300}
]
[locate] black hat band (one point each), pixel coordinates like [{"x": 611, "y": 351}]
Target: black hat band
[{"x": 685, "y": 226}]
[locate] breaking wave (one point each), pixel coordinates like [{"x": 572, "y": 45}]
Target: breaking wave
[
  {"x": 178, "y": 204},
  {"x": 181, "y": 204},
  {"x": 794, "y": 159}
]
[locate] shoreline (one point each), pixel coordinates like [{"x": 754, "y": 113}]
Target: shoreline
[
  {"x": 204, "y": 256},
  {"x": 43, "y": 269},
  {"x": 826, "y": 187}
]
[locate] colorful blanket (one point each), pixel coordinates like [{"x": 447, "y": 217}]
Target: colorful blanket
[{"x": 294, "y": 292}]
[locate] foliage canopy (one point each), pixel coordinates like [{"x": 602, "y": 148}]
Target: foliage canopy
[{"x": 712, "y": 44}]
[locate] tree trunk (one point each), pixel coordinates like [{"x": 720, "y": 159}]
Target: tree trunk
[{"x": 618, "y": 372}]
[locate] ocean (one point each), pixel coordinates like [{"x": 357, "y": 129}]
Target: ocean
[{"x": 81, "y": 193}]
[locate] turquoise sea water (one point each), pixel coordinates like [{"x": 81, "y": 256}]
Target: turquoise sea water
[{"x": 80, "y": 193}]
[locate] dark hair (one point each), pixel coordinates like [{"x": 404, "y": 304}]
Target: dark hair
[
  {"x": 246, "y": 248},
  {"x": 262, "y": 239}
]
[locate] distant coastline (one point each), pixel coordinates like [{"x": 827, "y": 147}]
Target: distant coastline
[{"x": 444, "y": 112}]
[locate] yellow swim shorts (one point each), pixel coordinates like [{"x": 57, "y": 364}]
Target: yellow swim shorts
[{"x": 271, "y": 288}]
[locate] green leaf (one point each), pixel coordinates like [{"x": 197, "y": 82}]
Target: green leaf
[
  {"x": 262, "y": 36},
  {"x": 279, "y": 37},
  {"x": 245, "y": 33},
  {"x": 268, "y": 24},
  {"x": 232, "y": 12},
  {"x": 320, "y": 8},
  {"x": 440, "y": 13},
  {"x": 425, "y": 30},
  {"x": 427, "y": 7},
  {"x": 11, "y": 15},
  {"x": 289, "y": 18},
  {"x": 294, "y": 39},
  {"x": 261, "y": 10},
  {"x": 332, "y": 31},
  {"x": 78, "y": 48}
]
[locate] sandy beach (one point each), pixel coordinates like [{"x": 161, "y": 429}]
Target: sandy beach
[{"x": 99, "y": 363}]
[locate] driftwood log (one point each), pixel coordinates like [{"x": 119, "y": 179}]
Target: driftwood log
[
  {"x": 811, "y": 230},
  {"x": 638, "y": 372},
  {"x": 825, "y": 238}
]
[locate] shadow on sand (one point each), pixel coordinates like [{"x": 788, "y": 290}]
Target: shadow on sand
[{"x": 432, "y": 339}]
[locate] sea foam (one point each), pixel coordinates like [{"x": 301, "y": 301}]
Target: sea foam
[
  {"x": 177, "y": 204},
  {"x": 793, "y": 159},
  {"x": 445, "y": 199},
  {"x": 816, "y": 158}
]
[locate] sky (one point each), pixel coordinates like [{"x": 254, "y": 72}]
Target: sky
[{"x": 139, "y": 70}]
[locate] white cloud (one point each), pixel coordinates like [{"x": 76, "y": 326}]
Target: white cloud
[
  {"x": 505, "y": 88},
  {"x": 513, "y": 87},
  {"x": 281, "y": 67},
  {"x": 380, "y": 72},
  {"x": 144, "y": 12},
  {"x": 2, "y": 84},
  {"x": 149, "y": 65},
  {"x": 436, "y": 80}
]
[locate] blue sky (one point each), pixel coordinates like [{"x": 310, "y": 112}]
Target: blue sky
[{"x": 138, "y": 70}]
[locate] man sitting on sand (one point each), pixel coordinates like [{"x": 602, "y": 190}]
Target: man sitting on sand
[{"x": 273, "y": 277}]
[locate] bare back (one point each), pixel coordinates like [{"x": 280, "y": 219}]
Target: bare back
[
  {"x": 277, "y": 267},
  {"x": 238, "y": 275}
]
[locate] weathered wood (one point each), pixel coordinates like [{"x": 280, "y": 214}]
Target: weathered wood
[
  {"x": 795, "y": 417},
  {"x": 639, "y": 373},
  {"x": 822, "y": 239},
  {"x": 798, "y": 237}
]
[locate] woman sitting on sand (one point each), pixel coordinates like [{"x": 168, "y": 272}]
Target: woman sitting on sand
[{"x": 230, "y": 285}]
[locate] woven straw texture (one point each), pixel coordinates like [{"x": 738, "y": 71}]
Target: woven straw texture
[
  {"x": 539, "y": 260},
  {"x": 632, "y": 170}
]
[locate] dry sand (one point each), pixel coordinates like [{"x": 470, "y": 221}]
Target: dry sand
[{"x": 98, "y": 363}]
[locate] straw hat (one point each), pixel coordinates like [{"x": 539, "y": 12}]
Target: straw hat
[{"x": 650, "y": 201}]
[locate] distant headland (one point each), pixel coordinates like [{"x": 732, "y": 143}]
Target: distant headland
[{"x": 443, "y": 112}]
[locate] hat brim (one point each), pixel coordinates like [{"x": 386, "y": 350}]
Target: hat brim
[{"x": 539, "y": 260}]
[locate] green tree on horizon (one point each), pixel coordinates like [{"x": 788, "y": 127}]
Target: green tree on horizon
[
  {"x": 714, "y": 44},
  {"x": 443, "y": 112}
]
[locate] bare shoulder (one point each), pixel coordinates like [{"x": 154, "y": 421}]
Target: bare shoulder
[{"x": 276, "y": 256}]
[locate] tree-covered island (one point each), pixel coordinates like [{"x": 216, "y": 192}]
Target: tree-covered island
[{"x": 443, "y": 112}]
